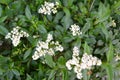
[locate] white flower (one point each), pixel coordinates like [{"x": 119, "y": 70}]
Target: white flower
[
  {"x": 94, "y": 60},
  {"x": 15, "y": 41},
  {"x": 75, "y": 51},
  {"x": 52, "y": 42},
  {"x": 89, "y": 64},
  {"x": 44, "y": 48},
  {"x": 8, "y": 36},
  {"x": 38, "y": 48},
  {"x": 117, "y": 58},
  {"x": 54, "y": 10},
  {"x": 48, "y": 8},
  {"x": 42, "y": 53},
  {"x": 35, "y": 56},
  {"x": 59, "y": 48},
  {"x": 51, "y": 51},
  {"x": 56, "y": 43},
  {"x": 43, "y": 44},
  {"x": 15, "y": 35},
  {"x": 79, "y": 75},
  {"x": 24, "y": 34},
  {"x": 49, "y": 38},
  {"x": 39, "y": 53},
  {"x": 87, "y": 61},
  {"x": 68, "y": 65},
  {"x": 113, "y": 23},
  {"x": 57, "y": 4},
  {"x": 75, "y": 30},
  {"x": 99, "y": 62},
  {"x": 83, "y": 66},
  {"x": 85, "y": 58},
  {"x": 75, "y": 61},
  {"x": 77, "y": 69}
]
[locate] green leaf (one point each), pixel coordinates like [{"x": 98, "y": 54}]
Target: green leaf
[
  {"x": 61, "y": 62},
  {"x": 65, "y": 75},
  {"x": 66, "y": 20},
  {"x": 1, "y": 11},
  {"x": 83, "y": 9},
  {"x": 103, "y": 14},
  {"x": 52, "y": 74},
  {"x": 28, "y": 77},
  {"x": 116, "y": 5},
  {"x": 2, "y": 19},
  {"x": 9, "y": 75},
  {"x": 105, "y": 31},
  {"x": 32, "y": 40},
  {"x": 110, "y": 53},
  {"x": 27, "y": 53},
  {"x": 77, "y": 42},
  {"x": 70, "y": 2},
  {"x": 49, "y": 17},
  {"x": 1, "y": 71},
  {"x": 68, "y": 39},
  {"x": 59, "y": 28},
  {"x": 86, "y": 48},
  {"x": 58, "y": 34},
  {"x": 65, "y": 2},
  {"x": 6, "y": 2},
  {"x": 118, "y": 12},
  {"x": 49, "y": 61},
  {"x": 67, "y": 12},
  {"x": 3, "y": 60},
  {"x": 109, "y": 70},
  {"x": 16, "y": 72},
  {"x": 58, "y": 16},
  {"x": 100, "y": 42},
  {"x": 85, "y": 76},
  {"x": 86, "y": 26},
  {"x": 42, "y": 29},
  {"x": 117, "y": 73},
  {"x": 28, "y": 13},
  {"x": 3, "y": 30}
]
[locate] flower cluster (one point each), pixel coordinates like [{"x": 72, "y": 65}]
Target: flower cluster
[
  {"x": 75, "y": 61},
  {"x": 47, "y": 47},
  {"x": 75, "y": 30},
  {"x": 15, "y": 35},
  {"x": 86, "y": 62},
  {"x": 49, "y": 8}
]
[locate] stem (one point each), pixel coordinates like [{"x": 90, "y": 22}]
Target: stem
[{"x": 91, "y": 5}]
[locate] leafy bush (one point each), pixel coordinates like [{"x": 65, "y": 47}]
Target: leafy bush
[{"x": 57, "y": 39}]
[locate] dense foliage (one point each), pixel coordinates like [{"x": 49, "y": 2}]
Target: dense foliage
[{"x": 38, "y": 41}]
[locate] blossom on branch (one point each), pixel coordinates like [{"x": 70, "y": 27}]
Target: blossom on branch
[
  {"x": 48, "y": 8},
  {"x": 15, "y": 35}
]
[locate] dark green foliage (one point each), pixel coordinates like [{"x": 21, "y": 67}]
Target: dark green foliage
[{"x": 100, "y": 37}]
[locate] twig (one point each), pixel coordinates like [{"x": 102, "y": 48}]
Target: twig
[{"x": 91, "y": 5}]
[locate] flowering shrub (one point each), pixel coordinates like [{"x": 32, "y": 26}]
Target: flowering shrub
[{"x": 59, "y": 40}]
